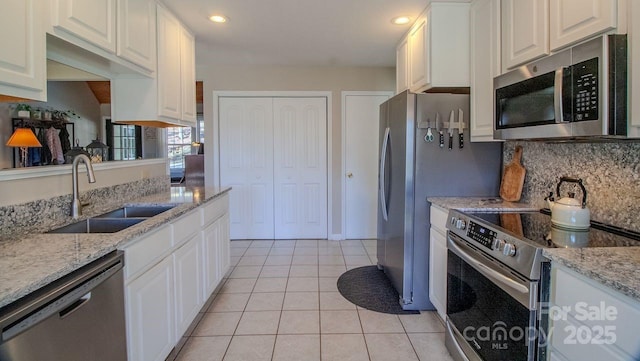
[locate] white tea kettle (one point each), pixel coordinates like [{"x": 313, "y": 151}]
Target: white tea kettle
[{"x": 568, "y": 212}]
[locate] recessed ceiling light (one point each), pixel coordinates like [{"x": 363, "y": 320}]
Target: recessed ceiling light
[
  {"x": 401, "y": 20},
  {"x": 218, "y": 18}
]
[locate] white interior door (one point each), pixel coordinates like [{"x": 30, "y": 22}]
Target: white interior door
[
  {"x": 246, "y": 164},
  {"x": 300, "y": 167},
  {"x": 361, "y": 116}
]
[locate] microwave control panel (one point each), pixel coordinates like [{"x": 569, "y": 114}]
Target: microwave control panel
[{"x": 585, "y": 90}]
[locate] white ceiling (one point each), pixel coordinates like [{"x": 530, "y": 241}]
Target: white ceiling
[{"x": 297, "y": 32}]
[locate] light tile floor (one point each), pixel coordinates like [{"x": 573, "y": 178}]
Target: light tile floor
[{"x": 280, "y": 302}]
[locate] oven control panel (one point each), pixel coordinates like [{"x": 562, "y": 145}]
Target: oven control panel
[{"x": 481, "y": 234}]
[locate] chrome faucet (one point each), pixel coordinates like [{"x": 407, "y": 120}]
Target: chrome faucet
[{"x": 76, "y": 206}]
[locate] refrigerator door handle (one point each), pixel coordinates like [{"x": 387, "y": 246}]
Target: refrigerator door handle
[{"x": 381, "y": 181}]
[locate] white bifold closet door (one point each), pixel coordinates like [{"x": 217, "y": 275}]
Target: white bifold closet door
[
  {"x": 300, "y": 167},
  {"x": 273, "y": 152},
  {"x": 246, "y": 164}
]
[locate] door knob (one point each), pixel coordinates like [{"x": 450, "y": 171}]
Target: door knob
[{"x": 350, "y": 175}]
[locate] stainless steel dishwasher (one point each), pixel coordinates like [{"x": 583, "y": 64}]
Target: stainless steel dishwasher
[{"x": 77, "y": 317}]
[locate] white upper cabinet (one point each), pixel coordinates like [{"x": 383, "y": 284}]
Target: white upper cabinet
[
  {"x": 93, "y": 21},
  {"x": 402, "y": 66},
  {"x": 525, "y": 31},
  {"x": 448, "y": 41},
  {"x": 485, "y": 65},
  {"x": 188, "y": 76},
  {"x": 170, "y": 96},
  {"x": 169, "y": 76},
  {"x": 137, "y": 32},
  {"x": 418, "y": 56},
  {"x": 438, "y": 49},
  {"x": 22, "y": 59},
  {"x": 176, "y": 69},
  {"x": 534, "y": 28},
  {"x": 575, "y": 20},
  {"x": 121, "y": 32}
]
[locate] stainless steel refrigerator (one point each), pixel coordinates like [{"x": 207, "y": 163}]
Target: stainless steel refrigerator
[{"x": 414, "y": 167}]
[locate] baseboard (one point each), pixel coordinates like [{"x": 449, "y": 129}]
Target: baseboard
[{"x": 336, "y": 237}]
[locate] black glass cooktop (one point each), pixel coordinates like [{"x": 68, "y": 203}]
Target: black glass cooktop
[{"x": 536, "y": 227}]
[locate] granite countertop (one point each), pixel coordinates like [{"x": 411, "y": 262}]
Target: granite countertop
[
  {"x": 615, "y": 267},
  {"x": 480, "y": 204},
  {"x": 31, "y": 261}
]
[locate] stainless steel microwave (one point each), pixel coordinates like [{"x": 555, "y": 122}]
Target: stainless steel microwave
[{"x": 576, "y": 93}]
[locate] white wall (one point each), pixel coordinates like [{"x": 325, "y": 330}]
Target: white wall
[
  {"x": 287, "y": 78},
  {"x": 76, "y": 96}
]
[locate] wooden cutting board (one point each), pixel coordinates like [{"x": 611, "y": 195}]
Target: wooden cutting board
[{"x": 513, "y": 178}]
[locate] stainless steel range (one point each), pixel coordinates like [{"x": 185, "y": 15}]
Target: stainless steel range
[{"x": 498, "y": 281}]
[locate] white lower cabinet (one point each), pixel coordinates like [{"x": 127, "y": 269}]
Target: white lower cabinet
[
  {"x": 589, "y": 321},
  {"x": 170, "y": 274},
  {"x": 224, "y": 246},
  {"x": 187, "y": 266},
  {"x": 216, "y": 253},
  {"x": 150, "y": 313},
  {"x": 210, "y": 240},
  {"x": 438, "y": 272},
  {"x": 438, "y": 261}
]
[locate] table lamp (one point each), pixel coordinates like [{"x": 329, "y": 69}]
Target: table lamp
[{"x": 23, "y": 138}]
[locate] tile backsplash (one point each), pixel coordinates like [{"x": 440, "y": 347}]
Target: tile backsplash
[{"x": 610, "y": 173}]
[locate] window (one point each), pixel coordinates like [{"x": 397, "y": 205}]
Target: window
[
  {"x": 200, "y": 118},
  {"x": 179, "y": 144},
  {"x": 124, "y": 141}
]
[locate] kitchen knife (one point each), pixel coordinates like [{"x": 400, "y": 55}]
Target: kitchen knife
[
  {"x": 460, "y": 128},
  {"x": 439, "y": 129},
  {"x": 451, "y": 117}
]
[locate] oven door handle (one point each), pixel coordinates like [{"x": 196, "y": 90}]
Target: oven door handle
[{"x": 486, "y": 271}]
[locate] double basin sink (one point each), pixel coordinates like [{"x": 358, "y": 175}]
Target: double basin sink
[{"x": 113, "y": 221}]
